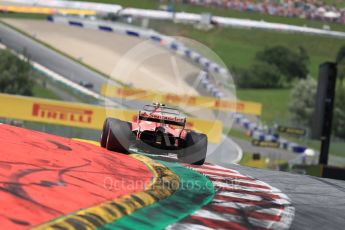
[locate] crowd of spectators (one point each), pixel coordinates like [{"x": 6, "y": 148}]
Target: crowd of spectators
[{"x": 310, "y": 9}]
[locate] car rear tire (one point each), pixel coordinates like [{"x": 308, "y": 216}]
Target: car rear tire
[
  {"x": 119, "y": 136},
  {"x": 195, "y": 149},
  {"x": 105, "y": 131}
]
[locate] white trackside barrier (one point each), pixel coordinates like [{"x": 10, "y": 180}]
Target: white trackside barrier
[
  {"x": 257, "y": 133},
  {"x": 246, "y": 23}
]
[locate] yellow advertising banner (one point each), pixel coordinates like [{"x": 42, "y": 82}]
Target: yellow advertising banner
[
  {"x": 44, "y": 10},
  {"x": 181, "y": 100},
  {"x": 84, "y": 115}
]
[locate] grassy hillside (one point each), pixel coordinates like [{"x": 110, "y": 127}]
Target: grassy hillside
[
  {"x": 275, "y": 102},
  {"x": 237, "y": 47},
  {"x": 23, "y": 16},
  {"x": 337, "y": 3},
  {"x": 39, "y": 91}
]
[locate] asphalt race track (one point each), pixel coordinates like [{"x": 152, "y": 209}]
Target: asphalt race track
[{"x": 319, "y": 203}]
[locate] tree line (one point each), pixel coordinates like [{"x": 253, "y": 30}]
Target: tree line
[
  {"x": 15, "y": 74},
  {"x": 281, "y": 67},
  {"x": 274, "y": 67},
  {"x": 303, "y": 95}
]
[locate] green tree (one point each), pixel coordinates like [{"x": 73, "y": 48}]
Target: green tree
[
  {"x": 340, "y": 59},
  {"x": 341, "y": 71},
  {"x": 302, "y": 102},
  {"x": 339, "y": 104},
  {"x": 341, "y": 54},
  {"x": 15, "y": 74},
  {"x": 339, "y": 113},
  {"x": 291, "y": 64},
  {"x": 260, "y": 75}
]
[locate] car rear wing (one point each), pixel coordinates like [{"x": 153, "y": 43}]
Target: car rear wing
[
  {"x": 163, "y": 109},
  {"x": 162, "y": 118}
]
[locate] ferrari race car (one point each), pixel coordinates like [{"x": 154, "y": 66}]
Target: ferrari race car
[{"x": 157, "y": 130}]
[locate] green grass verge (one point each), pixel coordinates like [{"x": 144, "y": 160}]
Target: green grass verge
[
  {"x": 311, "y": 170},
  {"x": 239, "y": 134},
  {"x": 337, "y": 148},
  {"x": 39, "y": 91},
  {"x": 263, "y": 163},
  {"x": 42, "y": 80},
  {"x": 238, "y": 47},
  {"x": 337, "y": 3},
  {"x": 23, "y": 16},
  {"x": 274, "y": 101}
]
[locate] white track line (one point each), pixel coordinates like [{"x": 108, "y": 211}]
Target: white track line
[
  {"x": 234, "y": 180},
  {"x": 221, "y": 185},
  {"x": 178, "y": 226},
  {"x": 240, "y": 195},
  {"x": 212, "y": 172},
  {"x": 237, "y": 205},
  {"x": 234, "y": 218}
]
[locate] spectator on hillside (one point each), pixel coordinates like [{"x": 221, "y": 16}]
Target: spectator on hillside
[{"x": 310, "y": 9}]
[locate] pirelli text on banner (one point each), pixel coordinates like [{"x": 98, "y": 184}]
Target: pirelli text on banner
[{"x": 73, "y": 115}]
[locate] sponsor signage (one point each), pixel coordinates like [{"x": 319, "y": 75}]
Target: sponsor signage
[
  {"x": 44, "y": 10},
  {"x": 46, "y": 111},
  {"x": 265, "y": 144},
  {"x": 156, "y": 115},
  {"x": 85, "y": 115},
  {"x": 292, "y": 131},
  {"x": 182, "y": 100}
]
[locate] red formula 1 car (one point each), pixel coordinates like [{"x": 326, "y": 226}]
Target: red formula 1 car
[{"x": 158, "y": 129}]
